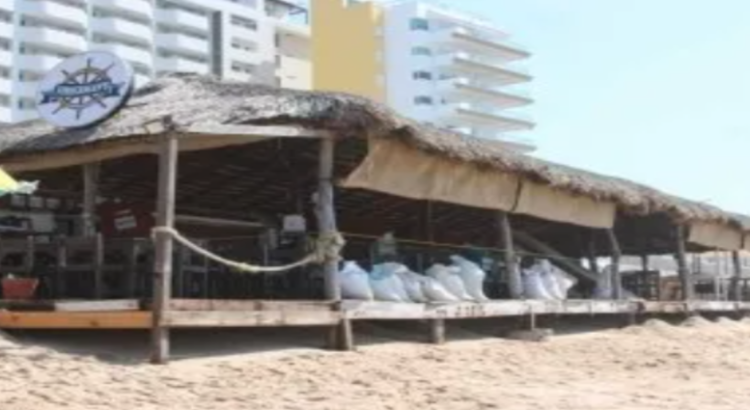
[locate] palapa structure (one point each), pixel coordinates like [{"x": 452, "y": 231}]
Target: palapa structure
[{"x": 251, "y": 151}]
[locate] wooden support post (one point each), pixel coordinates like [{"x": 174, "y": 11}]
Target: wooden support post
[
  {"x": 515, "y": 286},
  {"x": 592, "y": 253},
  {"x": 682, "y": 265},
  {"x": 615, "y": 255},
  {"x": 168, "y": 152},
  {"x": 737, "y": 279},
  {"x": 644, "y": 262},
  {"x": 437, "y": 331},
  {"x": 340, "y": 336},
  {"x": 90, "y": 191}
]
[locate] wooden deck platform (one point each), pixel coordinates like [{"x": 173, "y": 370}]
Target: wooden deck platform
[{"x": 183, "y": 313}]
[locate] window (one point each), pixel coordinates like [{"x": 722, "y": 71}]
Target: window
[
  {"x": 423, "y": 100},
  {"x": 421, "y": 51},
  {"x": 419, "y": 24},
  {"x": 244, "y": 22},
  {"x": 422, "y": 75}
]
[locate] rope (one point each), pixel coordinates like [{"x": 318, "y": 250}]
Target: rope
[{"x": 327, "y": 248}]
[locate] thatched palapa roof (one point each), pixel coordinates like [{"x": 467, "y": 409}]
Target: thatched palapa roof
[{"x": 193, "y": 100}]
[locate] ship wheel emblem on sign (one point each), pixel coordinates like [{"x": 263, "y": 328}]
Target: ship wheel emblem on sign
[{"x": 84, "y": 89}]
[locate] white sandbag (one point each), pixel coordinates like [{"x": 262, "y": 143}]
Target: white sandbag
[
  {"x": 449, "y": 278},
  {"x": 392, "y": 272},
  {"x": 472, "y": 276},
  {"x": 434, "y": 291},
  {"x": 414, "y": 284},
  {"x": 354, "y": 282},
  {"x": 533, "y": 285},
  {"x": 387, "y": 286}
]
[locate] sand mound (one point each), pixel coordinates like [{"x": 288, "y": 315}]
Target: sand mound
[
  {"x": 696, "y": 321},
  {"x": 609, "y": 370},
  {"x": 656, "y": 324},
  {"x": 729, "y": 322}
]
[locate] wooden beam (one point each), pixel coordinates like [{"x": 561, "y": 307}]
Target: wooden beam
[
  {"x": 591, "y": 253},
  {"x": 437, "y": 331},
  {"x": 247, "y": 305},
  {"x": 168, "y": 152},
  {"x": 75, "y": 320},
  {"x": 737, "y": 279},
  {"x": 615, "y": 254},
  {"x": 515, "y": 285},
  {"x": 682, "y": 265},
  {"x": 264, "y": 318},
  {"x": 326, "y": 215},
  {"x": 267, "y": 131},
  {"x": 90, "y": 192},
  {"x": 98, "y": 306}
]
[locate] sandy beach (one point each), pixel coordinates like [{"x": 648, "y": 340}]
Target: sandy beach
[{"x": 699, "y": 365}]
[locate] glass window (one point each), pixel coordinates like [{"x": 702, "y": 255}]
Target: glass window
[
  {"x": 422, "y": 75},
  {"x": 419, "y": 24},
  {"x": 421, "y": 51}
]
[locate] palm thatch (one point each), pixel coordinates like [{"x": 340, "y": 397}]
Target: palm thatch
[{"x": 192, "y": 100}]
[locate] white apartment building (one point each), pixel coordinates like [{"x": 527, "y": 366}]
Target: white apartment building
[
  {"x": 258, "y": 40},
  {"x": 454, "y": 70},
  {"x": 426, "y": 61}
]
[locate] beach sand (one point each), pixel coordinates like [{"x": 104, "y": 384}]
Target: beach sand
[{"x": 704, "y": 365}]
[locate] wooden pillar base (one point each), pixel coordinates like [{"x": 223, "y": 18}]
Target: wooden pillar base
[{"x": 437, "y": 331}]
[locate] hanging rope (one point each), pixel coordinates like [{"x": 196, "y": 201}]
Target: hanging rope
[{"x": 327, "y": 248}]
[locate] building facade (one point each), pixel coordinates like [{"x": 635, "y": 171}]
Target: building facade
[
  {"x": 256, "y": 40},
  {"x": 427, "y": 62}
]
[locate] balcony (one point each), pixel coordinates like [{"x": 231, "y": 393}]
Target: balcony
[
  {"x": 474, "y": 41},
  {"x": 133, "y": 55},
  {"x": 6, "y": 114},
  {"x": 243, "y": 34},
  {"x": 462, "y": 88},
  {"x": 183, "y": 43},
  {"x": 27, "y": 89},
  {"x": 50, "y": 11},
  {"x": 123, "y": 29},
  {"x": 473, "y": 116},
  {"x": 63, "y": 41},
  {"x": 183, "y": 19},
  {"x": 181, "y": 65},
  {"x": 37, "y": 62},
  {"x": 6, "y": 59},
  {"x": 135, "y": 8},
  {"x": 469, "y": 65},
  {"x": 6, "y": 86},
  {"x": 6, "y": 30}
]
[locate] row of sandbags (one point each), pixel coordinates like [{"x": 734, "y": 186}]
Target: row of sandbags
[
  {"x": 543, "y": 281},
  {"x": 463, "y": 280}
]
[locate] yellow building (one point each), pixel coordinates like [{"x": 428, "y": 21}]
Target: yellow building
[{"x": 347, "y": 47}]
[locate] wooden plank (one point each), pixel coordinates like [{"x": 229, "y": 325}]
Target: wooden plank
[
  {"x": 360, "y": 310},
  {"x": 266, "y": 318},
  {"x": 75, "y": 320},
  {"x": 97, "y": 306},
  {"x": 163, "y": 262},
  {"x": 247, "y": 305},
  {"x": 615, "y": 256},
  {"x": 711, "y": 306},
  {"x": 479, "y": 310},
  {"x": 255, "y": 131},
  {"x": 664, "y": 307}
]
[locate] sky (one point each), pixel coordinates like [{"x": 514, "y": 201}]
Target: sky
[{"x": 657, "y": 91}]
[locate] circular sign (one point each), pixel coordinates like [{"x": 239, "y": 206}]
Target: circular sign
[{"x": 84, "y": 89}]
